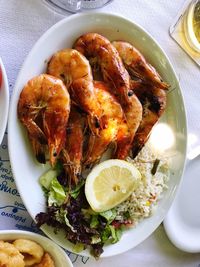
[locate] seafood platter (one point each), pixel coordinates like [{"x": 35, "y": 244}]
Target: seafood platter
[{"x": 100, "y": 124}]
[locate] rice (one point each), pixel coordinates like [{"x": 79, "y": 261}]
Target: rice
[{"x": 144, "y": 199}]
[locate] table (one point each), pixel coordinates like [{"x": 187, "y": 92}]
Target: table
[{"x": 22, "y": 23}]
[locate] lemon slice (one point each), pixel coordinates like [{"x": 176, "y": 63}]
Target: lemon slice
[{"x": 110, "y": 183}]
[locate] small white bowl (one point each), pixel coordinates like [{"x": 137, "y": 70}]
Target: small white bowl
[
  {"x": 58, "y": 254},
  {"x": 4, "y": 101}
]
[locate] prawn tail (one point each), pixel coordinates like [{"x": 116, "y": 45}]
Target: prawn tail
[
  {"x": 140, "y": 140},
  {"x": 136, "y": 148},
  {"x": 38, "y": 141},
  {"x": 56, "y": 137},
  {"x": 54, "y": 151},
  {"x": 155, "y": 81},
  {"x": 88, "y": 154},
  {"x": 72, "y": 169},
  {"x": 35, "y": 132},
  {"x": 38, "y": 150},
  {"x": 96, "y": 147},
  {"x": 123, "y": 148}
]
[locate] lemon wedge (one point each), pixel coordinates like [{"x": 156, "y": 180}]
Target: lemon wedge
[{"x": 110, "y": 183}]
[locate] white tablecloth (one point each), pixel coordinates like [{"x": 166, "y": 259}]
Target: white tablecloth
[{"x": 22, "y": 22}]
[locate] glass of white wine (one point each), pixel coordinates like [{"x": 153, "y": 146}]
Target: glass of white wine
[
  {"x": 192, "y": 25},
  {"x": 185, "y": 29}
]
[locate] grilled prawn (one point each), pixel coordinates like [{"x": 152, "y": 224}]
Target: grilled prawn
[
  {"x": 137, "y": 65},
  {"x": 133, "y": 114},
  {"x": 150, "y": 90},
  {"x": 153, "y": 101},
  {"x": 75, "y": 71},
  {"x": 73, "y": 151},
  {"x": 99, "y": 50},
  {"x": 43, "y": 109},
  {"x": 114, "y": 127}
]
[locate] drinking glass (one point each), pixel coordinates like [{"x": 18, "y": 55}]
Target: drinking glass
[
  {"x": 192, "y": 25},
  {"x": 185, "y": 29},
  {"x": 75, "y": 5}
]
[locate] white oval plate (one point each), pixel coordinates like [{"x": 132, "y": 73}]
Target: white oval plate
[
  {"x": 59, "y": 255},
  {"x": 4, "y": 101},
  {"x": 182, "y": 223},
  {"x": 25, "y": 168}
]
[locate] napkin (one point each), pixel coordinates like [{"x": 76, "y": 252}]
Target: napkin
[{"x": 22, "y": 23}]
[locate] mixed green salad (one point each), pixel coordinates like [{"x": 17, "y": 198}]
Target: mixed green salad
[{"x": 68, "y": 209}]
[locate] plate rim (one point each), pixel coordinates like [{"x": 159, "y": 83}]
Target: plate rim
[{"x": 6, "y": 100}]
